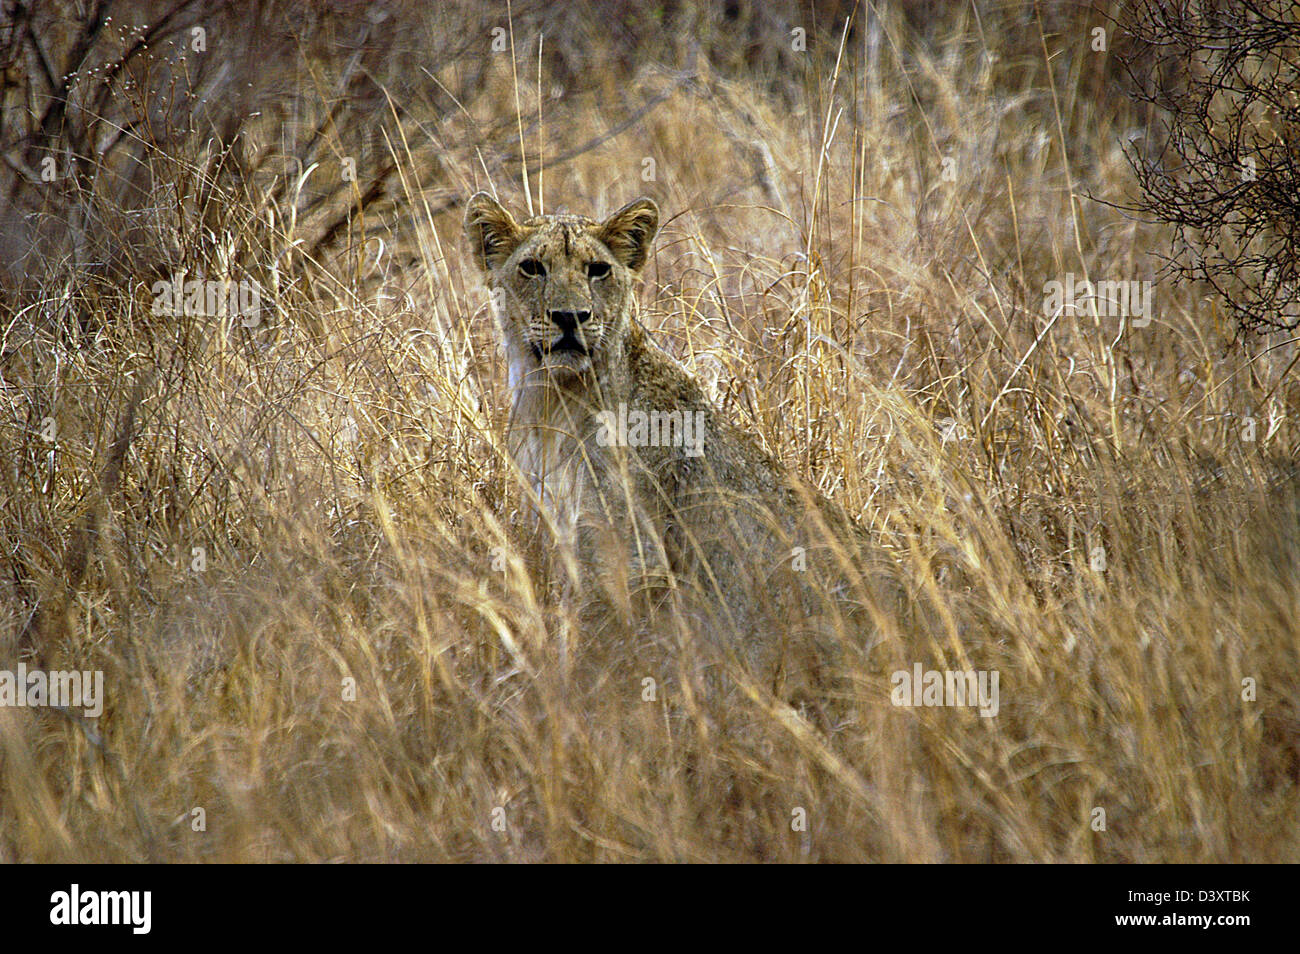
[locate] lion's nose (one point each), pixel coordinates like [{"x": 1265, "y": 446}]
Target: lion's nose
[{"x": 568, "y": 321}]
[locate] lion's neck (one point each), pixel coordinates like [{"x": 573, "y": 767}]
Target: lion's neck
[{"x": 552, "y": 431}]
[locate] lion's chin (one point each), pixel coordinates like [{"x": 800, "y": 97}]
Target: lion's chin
[{"x": 564, "y": 367}]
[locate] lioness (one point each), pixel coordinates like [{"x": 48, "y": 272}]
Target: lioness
[{"x": 633, "y": 472}]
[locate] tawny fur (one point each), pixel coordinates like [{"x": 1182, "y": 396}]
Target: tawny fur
[{"x": 725, "y": 522}]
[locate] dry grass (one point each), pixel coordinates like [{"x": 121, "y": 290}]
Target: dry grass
[{"x": 880, "y": 325}]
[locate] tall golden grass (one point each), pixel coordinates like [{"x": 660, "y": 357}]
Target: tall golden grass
[{"x": 292, "y": 549}]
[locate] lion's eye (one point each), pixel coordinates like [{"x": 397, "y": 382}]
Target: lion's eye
[
  {"x": 598, "y": 270},
  {"x": 532, "y": 268}
]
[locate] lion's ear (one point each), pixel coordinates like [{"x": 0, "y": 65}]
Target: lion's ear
[
  {"x": 490, "y": 230},
  {"x": 628, "y": 232}
]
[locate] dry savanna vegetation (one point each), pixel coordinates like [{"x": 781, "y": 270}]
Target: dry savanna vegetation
[{"x": 288, "y": 535}]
